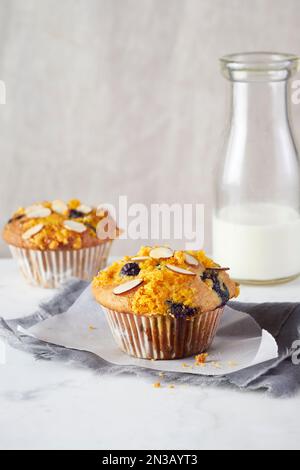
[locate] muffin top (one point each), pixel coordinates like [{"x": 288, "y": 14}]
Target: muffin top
[
  {"x": 58, "y": 226},
  {"x": 160, "y": 281}
]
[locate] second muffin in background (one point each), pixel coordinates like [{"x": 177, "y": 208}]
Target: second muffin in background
[
  {"x": 164, "y": 304},
  {"x": 54, "y": 241}
]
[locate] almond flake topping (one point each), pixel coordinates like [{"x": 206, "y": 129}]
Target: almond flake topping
[
  {"x": 37, "y": 212},
  {"x": 140, "y": 258},
  {"x": 161, "y": 252},
  {"x": 32, "y": 231},
  {"x": 33, "y": 207},
  {"x": 84, "y": 209},
  {"x": 189, "y": 259},
  {"x": 178, "y": 270},
  {"x": 74, "y": 226},
  {"x": 60, "y": 207},
  {"x": 127, "y": 286}
]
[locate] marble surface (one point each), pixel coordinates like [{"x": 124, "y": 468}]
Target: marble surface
[{"x": 51, "y": 405}]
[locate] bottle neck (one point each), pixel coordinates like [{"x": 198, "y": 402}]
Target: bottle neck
[
  {"x": 260, "y": 159},
  {"x": 259, "y": 104}
]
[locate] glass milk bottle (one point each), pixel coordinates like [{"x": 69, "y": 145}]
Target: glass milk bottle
[{"x": 256, "y": 226}]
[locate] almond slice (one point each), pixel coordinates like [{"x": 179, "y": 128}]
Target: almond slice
[
  {"x": 33, "y": 208},
  {"x": 74, "y": 226},
  {"x": 217, "y": 268},
  {"x": 127, "y": 286},
  {"x": 37, "y": 212},
  {"x": 178, "y": 270},
  {"x": 161, "y": 252},
  {"x": 189, "y": 259},
  {"x": 84, "y": 209},
  {"x": 140, "y": 258},
  {"x": 59, "y": 207},
  {"x": 32, "y": 231}
]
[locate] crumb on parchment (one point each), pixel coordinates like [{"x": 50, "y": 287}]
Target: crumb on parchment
[
  {"x": 232, "y": 363},
  {"x": 216, "y": 364},
  {"x": 200, "y": 359}
]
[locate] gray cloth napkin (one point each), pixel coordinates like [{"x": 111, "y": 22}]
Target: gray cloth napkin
[{"x": 280, "y": 377}]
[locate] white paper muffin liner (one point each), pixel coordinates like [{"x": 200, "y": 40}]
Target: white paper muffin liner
[
  {"x": 162, "y": 336},
  {"x": 50, "y": 269}
]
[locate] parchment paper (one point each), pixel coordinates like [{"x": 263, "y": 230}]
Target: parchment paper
[{"x": 239, "y": 343}]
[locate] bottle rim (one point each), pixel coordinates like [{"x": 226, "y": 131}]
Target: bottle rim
[
  {"x": 259, "y": 65},
  {"x": 260, "y": 60}
]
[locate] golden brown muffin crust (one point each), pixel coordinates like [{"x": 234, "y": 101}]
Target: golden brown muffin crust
[
  {"x": 54, "y": 235},
  {"x": 161, "y": 287}
]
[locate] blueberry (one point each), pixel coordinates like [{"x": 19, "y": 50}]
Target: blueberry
[
  {"x": 130, "y": 269},
  {"x": 74, "y": 214},
  {"x": 222, "y": 291},
  {"x": 179, "y": 310}
]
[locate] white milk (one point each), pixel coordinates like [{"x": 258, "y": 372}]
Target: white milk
[{"x": 259, "y": 242}]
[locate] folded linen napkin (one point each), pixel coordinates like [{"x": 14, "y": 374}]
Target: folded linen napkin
[{"x": 280, "y": 377}]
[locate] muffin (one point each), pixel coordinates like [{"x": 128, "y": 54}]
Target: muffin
[
  {"x": 54, "y": 241},
  {"x": 164, "y": 304}
]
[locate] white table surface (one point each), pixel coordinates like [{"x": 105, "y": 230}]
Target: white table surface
[{"x": 56, "y": 406}]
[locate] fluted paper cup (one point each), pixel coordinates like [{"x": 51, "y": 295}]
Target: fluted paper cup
[
  {"x": 50, "y": 269},
  {"x": 162, "y": 336}
]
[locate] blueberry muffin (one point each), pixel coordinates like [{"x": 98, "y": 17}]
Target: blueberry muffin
[
  {"x": 164, "y": 304},
  {"x": 54, "y": 241}
]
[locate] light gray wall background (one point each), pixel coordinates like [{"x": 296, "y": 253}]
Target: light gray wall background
[{"x": 109, "y": 97}]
